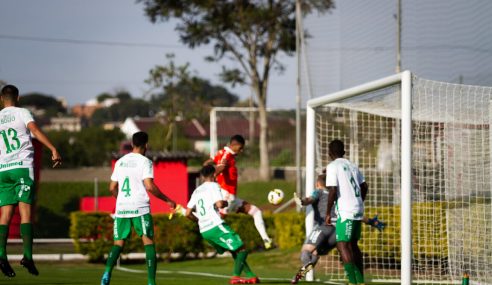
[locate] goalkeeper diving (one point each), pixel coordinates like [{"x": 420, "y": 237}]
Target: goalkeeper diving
[{"x": 322, "y": 238}]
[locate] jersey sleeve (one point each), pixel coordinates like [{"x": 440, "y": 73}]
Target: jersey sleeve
[
  {"x": 216, "y": 194},
  {"x": 360, "y": 177},
  {"x": 192, "y": 202},
  {"x": 224, "y": 158},
  {"x": 114, "y": 175},
  {"x": 148, "y": 170},
  {"x": 315, "y": 195},
  {"x": 331, "y": 175},
  {"x": 26, "y": 116}
]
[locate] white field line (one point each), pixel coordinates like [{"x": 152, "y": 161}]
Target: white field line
[{"x": 206, "y": 274}]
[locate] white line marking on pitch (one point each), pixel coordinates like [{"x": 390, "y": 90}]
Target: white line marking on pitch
[{"x": 207, "y": 274}]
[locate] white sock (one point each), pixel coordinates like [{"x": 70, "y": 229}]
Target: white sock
[{"x": 259, "y": 223}]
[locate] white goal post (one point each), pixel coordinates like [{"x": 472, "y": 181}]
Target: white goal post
[{"x": 425, "y": 150}]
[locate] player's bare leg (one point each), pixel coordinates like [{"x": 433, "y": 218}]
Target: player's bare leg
[
  {"x": 7, "y": 213},
  {"x": 255, "y": 212},
  {"x": 345, "y": 250},
  {"x": 27, "y": 237}
]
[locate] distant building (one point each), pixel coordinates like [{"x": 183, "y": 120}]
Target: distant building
[
  {"x": 71, "y": 124},
  {"x": 133, "y": 125},
  {"x": 87, "y": 109}
]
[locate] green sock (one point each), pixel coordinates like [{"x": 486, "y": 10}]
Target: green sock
[
  {"x": 359, "y": 274},
  {"x": 4, "y": 234},
  {"x": 350, "y": 272},
  {"x": 113, "y": 257},
  {"x": 151, "y": 263},
  {"x": 248, "y": 271},
  {"x": 26, "y": 234},
  {"x": 239, "y": 261}
]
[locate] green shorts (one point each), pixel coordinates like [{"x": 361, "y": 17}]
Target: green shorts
[
  {"x": 223, "y": 238},
  {"x": 16, "y": 185},
  {"x": 143, "y": 225},
  {"x": 348, "y": 230}
]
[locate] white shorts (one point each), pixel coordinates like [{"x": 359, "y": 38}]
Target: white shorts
[{"x": 234, "y": 202}]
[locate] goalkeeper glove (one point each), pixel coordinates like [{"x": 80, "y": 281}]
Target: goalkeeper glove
[
  {"x": 297, "y": 200},
  {"x": 376, "y": 223},
  {"x": 179, "y": 210}
]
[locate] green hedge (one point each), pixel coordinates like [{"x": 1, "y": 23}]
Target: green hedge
[
  {"x": 287, "y": 229},
  {"x": 180, "y": 235},
  {"x": 428, "y": 230}
]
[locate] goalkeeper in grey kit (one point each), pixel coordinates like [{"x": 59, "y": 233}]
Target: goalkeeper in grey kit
[{"x": 322, "y": 238}]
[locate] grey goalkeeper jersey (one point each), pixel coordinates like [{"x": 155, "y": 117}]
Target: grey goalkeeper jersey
[{"x": 320, "y": 206}]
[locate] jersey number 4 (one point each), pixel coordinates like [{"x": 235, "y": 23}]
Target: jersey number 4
[
  {"x": 126, "y": 187},
  {"x": 9, "y": 136}
]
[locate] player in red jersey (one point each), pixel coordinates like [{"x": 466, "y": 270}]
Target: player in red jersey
[{"x": 226, "y": 175}]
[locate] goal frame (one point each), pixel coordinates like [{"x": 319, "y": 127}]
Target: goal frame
[{"x": 405, "y": 80}]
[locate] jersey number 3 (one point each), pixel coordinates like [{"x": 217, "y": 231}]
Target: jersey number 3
[
  {"x": 126, "y": 187},
  {"x": 201, "y": 211},
  {"x": 9, "y": 136}
]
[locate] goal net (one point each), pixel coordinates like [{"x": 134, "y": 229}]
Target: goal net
[
  {"x": 228, "y": 121},
  {"x": 449, "y": 176}
]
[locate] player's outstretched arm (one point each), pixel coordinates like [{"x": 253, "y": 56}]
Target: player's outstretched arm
[
  {"x": 154, "y": 190},
  {"x": 189, "y": 214},
  {"x": 221, "y": 204},
  {"x": 113, "y": 188},
  {"x": 374, "y": 222},
  {"x": 38, "y": 133},
  {"x": 209, "y": 161},
  {"x": 364, "y": 188}
]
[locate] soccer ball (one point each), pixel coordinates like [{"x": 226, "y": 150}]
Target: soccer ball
[{"x": 275, "y": 196}]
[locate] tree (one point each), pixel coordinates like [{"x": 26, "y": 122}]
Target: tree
[
  {"x": 126, "y": 107},
  {"x": 250, "y": 32},
  {"x": 41, "y": 101},
  {"x": 183, "y": 97}
]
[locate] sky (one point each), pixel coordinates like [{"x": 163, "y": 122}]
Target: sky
[{"x": 79, "y": 71}]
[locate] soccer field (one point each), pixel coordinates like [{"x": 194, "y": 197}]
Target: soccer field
[{"x": 273, "y": 267}]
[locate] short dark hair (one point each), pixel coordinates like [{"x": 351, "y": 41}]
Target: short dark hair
[
  {"x": 237, "y": 138},
  {"x": 337, "y": 148},
  {"x": 10, "y": 92},
  {"x": 321, "y": 179},
  {"x": 207, "y": 171},
  {"x": 139, "y": 139}
]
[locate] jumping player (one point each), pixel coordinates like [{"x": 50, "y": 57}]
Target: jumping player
[
  {"x": 322, "y": 238},
  {"x": 226, "y": 174},
  {"x": 203, "y": 208},
  {"x": 346, "y": 185},
  {"x": 132, "y": 178},
  {"x": 17, "y": 175}
]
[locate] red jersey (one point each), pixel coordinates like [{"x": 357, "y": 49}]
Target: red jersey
[{"x": 227, "y": 179}]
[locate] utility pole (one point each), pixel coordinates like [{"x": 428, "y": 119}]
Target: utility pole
[
  {"x": 398, "y": 37},
  {"x": 298, "y": 100}
]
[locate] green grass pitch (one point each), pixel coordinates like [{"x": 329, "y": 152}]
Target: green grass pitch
[{"x": 275, "y": 267}]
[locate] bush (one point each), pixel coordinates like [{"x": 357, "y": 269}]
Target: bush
[
  {"x": 180, "y": 235},
  {"x": 289, "y": 229},
  {"x": 432, "y": 228}
]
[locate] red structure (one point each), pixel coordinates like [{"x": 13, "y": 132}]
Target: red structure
[{"x": 170, "y": 175}]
